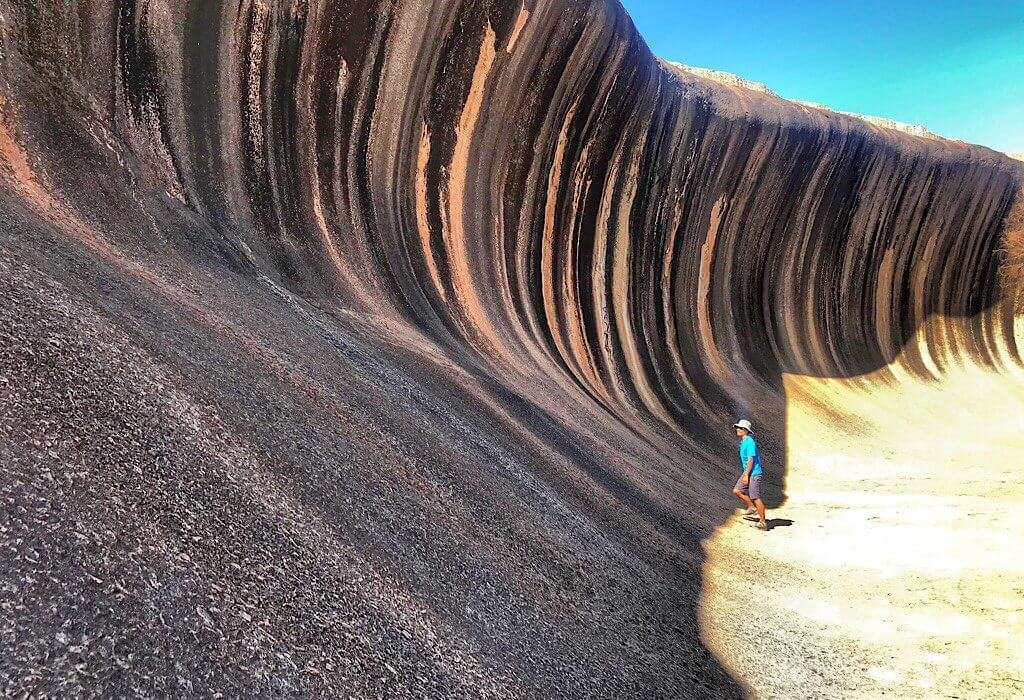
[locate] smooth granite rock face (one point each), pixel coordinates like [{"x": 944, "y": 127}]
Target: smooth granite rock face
[{"x": 391, "y": 348}]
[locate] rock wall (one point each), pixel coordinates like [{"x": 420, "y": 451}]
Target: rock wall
[
  {"x": 529, "y": 180},
  {"x": 551, "y": 267}
]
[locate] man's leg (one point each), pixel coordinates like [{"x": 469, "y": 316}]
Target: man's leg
[
  {"x": 755, "y": 496},
  {"x": 743, "y": 497},
  {"x": 759, "y": 504}
]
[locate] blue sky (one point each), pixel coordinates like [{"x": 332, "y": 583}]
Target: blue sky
[{"x": 956, "y": 67}]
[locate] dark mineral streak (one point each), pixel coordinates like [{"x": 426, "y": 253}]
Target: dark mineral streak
[{"x": 387, "y": 348}]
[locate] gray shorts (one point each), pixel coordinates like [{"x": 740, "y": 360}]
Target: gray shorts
[{"x": 753, "y": 490}]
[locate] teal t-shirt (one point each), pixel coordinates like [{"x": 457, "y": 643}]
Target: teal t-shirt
[{"x": 748, "y": 448}]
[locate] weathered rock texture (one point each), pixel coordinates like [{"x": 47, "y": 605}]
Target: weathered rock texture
[{"x": 391, "y": 347}]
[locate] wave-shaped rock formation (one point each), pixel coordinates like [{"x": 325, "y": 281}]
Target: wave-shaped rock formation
[{"x": 385, "y": 348}]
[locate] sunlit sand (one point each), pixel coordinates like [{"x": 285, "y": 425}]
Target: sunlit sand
[{"x": 900, "y": 572}]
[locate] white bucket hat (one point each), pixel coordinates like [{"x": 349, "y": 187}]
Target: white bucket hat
[{"x": 745, "y": 424}]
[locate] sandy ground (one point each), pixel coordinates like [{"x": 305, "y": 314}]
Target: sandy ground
[{"x": 894, "y": 566}]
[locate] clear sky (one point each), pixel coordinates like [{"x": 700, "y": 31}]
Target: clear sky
[{"x": 956, "y": 67}]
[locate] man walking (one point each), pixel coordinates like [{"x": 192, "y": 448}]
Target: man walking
[{"x": 748, "y": 486}]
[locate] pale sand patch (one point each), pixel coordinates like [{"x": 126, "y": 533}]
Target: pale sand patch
[{"x": 901, "y": 573}]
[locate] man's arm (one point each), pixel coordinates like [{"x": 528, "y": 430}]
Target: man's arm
[{"x": 750, "y": 468}]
